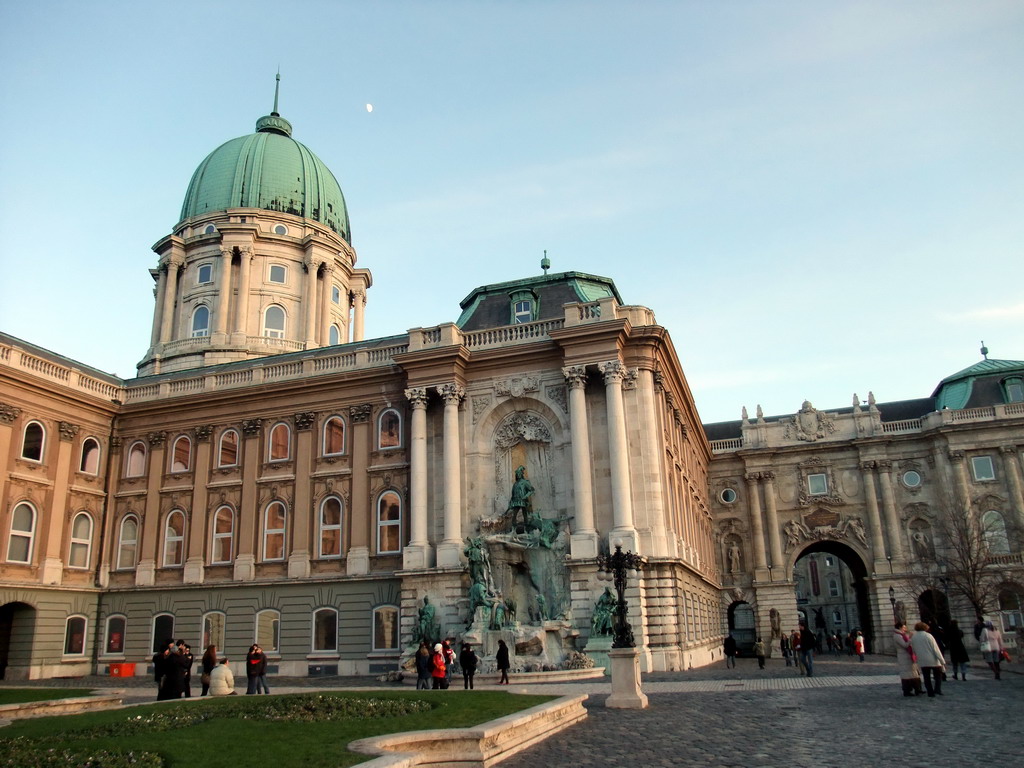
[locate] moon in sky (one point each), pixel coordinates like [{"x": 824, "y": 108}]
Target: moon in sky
[{"x": 369, "y": 107}]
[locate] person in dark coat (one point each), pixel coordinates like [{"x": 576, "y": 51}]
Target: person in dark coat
[
  {"x": 957, "y": 650},
  {"x": 423, "y": 668},
  {"x": 468, "y": 661},
  {"x": 186, "y": 651},
  {"x": 256, "y": 670},
  {"x": 730, "y": 651},
  {"x": 503, "y": 663},
  {"x": 208, "y": 663},
  {"x": 171, "y": 672},
  {"x": 808, "y": 644}
]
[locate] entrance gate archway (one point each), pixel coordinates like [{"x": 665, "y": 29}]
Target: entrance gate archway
[
  {"x": 823, "y": 591},
  {"x": 742, "y": 625},
  {"x": 17, "y": 626}
]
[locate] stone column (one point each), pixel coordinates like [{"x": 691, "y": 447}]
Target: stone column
[
  {"x": 358, "y": 310},
  {"x": 651, "y": 462},
  {"x": 8, "y": 413},
  {"x": 959, "y": 466},
  {"x": 324, "y": 332},
  {"x": 419, "y": 553},
  {"x": 618, "y": 453},
  {"x": 892, "y": 521},
  {"x": 871, "y": 501},
  {"x": 449, "y": 551},
  {"x": 1012, "y": 465},
  {"x": 756, "y": 524},
  {"x": 56, "y": 521},
  {"x": 170, "y": 295},
  {"x": 248, "y": 514},
  {"x": 223, "y": 308},
  {"x": 357, "y": 560},
  {"x": 195, "y": 554},
  {"x": 145, "y": 571},
  {"x": 241, "y": 329},
  {"x": 584, "y": 535},
  {"x": 158, "y": 307},
  {"x": 302, "y": 515},
  {"x": 309, "y": 302},
  {"x": 774, "y": 540}
]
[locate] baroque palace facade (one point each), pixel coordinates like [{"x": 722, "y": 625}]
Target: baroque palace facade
[{"x": 274, "y": 476}]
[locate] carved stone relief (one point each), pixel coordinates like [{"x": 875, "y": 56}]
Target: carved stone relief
[{"x": 809, "y": 424}]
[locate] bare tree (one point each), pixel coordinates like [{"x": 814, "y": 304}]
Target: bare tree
[{"x": 959, "y": 561}]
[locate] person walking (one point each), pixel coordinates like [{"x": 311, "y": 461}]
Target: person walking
[
  {"x": 957, "y": 650},
  {"x": 468, "y": 661},
  {"x": 784, "y": 647},
  {"x": 906, "y": 661},
  {"x": 208, "y": 662},
  {"x": 759, "y": 651},
  {"x": 858, "y": 645},
  {"x": 222, "y": 682},
  {"x": 730, "y": 651},
  {"x": 423, "y": 668},
  {"x": 991, "y": 644},
  {"x": 186, "y": 652},
  {"x": 438, "y": 669},
  {"x": 808, "y": 643},
  {"x": 794, "y": 645},
  {"x": 503, "y": 663},
  {"x": 449, "y": 658},
  {"x": 929, "y": 658}
]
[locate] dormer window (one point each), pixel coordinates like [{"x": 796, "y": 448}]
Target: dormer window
[
  {"x": 1013, "y": 389},
  {"x": 522, "y": 312}
]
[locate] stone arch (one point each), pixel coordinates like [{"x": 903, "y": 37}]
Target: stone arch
[
  {"x": 17, "y": 630},
  {"x": 856, "y": 560},
  {"x": 742, "y": 623}
]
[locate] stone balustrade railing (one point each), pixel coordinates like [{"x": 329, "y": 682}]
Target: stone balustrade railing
[{"x": 66, "y": 375}]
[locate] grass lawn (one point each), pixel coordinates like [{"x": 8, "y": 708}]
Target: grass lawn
[
  {"x": 226, "y": 741},
  {"x": 23, "y": 695}
]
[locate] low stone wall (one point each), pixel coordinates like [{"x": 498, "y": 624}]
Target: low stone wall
[
  {"x": 69, "y": 706},
  {"x": 478, "y": 747}
]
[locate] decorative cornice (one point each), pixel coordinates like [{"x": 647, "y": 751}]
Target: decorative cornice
[
  {"x": 251, "y": 427},
  {"x": 305, "y": 420},
  {"x": 9, "y": 413},
  {"x": 360, "y": 414},
  {"x": 156, "y": 438},
  {"x": 452, "y": 394},
  {"x": 203, "y": 432},
  {"x": 613, "y": 371},
  {"x": 68, "y": 430},
  {"x": 884, "y": 465},
  {"x": 575, "y": 376},
  {"x": 955, "y": 457}
]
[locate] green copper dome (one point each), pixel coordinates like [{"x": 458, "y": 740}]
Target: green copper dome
[{"x": 269, "y": 170}]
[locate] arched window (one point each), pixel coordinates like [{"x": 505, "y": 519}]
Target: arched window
[
  {"x": 334, "y": 436},
  {"x": 136, "y": 466},
  {"x": 275, "y": 519},
  {"x": 227, "y": 456},
  {"x": 213, "y": 629},
  {"x": 268, "y": 630},
  {"x": 334, "y": 335},
  {"x": 994, "y": 527},
  {"x": 23, "y": 531},
  {"x": 330, "y": 527},
  {"x": 389, "y": 523},
  {"x": 90, "y": 463},
  {"x": 274, "y": 322},
  {"x": 81, "y": 541},
  {"x": 280, "y": 442},
  {"x": 163, "y": 630},
  {"x": 837, "y": 617},
  {"x": 385, "y": 628},
  {"x": 223, "y": 535},
  {"x": 74, "y": 636},
  {"x": 114, "y": 642},
  {"x": 174, "y": 539},
  {"x": 325, "y": 630},
  {"x": 389, "y": 429},
  {"x": 181, "y": 454},
  {"x": 32, "y": 441},
  {"x": 200, "y": 321},
  {"x": 128, "y": 542},
  {"x": 335, "y": 294}
]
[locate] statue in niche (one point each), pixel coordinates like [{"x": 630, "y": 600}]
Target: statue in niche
[
  {"x": 604, "y": 609},
  {"x": 922, "y": 547},
  {"x": 542, "y": 607},
  {"x": 426, "y": 622},
  {"x": 735, "y": 565},
  {"x": 522, "y": 490},
  {"x": 476, "y": 555},
  {"x": 498, "y": 614},
  {"x": 776, "y": 622}
]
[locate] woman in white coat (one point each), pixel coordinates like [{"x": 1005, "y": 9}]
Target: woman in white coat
[
  {"x": 991, "y": 641},
  {"x": 222, "y": 682},
  {"x": 929, "y": 658},
  {"x": 906, "y": 661}
]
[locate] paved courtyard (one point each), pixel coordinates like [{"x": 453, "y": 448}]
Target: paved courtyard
[{"x": 848, "y": 714}]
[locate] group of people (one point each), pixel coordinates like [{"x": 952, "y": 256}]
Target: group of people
[
  {"x": 434, "y": 669},
  {"x": 172, "y": 670},
  {"x": 921, "y": 654}
]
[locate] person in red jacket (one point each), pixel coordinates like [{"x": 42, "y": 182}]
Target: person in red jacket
[{"x": 439, "y": 668}]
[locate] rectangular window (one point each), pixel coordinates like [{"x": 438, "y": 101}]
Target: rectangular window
[
  {"x": 523, "y": 312},
  {"x": 115, "y": 635},
  {"x": 982, "y": 467},
  {"x": 817, "y": 484},
  {"x": 278, "y": 274},
  {"x": 205, "y": 274}
]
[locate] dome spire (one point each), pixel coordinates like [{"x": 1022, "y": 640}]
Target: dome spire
[{"x": 274, "y": 123}]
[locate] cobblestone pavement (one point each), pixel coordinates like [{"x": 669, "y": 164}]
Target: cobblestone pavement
[{"x": 849, "y": 713}]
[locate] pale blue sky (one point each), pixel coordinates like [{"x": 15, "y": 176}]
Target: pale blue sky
[{"x": 815, "y": 198}]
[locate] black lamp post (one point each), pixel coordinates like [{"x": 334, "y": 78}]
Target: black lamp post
[{"x": 617, "y": 566}]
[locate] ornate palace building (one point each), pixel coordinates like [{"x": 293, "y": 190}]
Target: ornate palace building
[{"x": 275, "y": 476}]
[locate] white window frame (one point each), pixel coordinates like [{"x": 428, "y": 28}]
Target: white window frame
[
  {"x": 106, "y": 634},
  {"x": 323, "y": 528},
  {"x": 323, "y": 436},
  {"x": 195, "y": 330},
  {"x": 80, "y": 543},
  {"x": 67, "y": 634},
  {"x": 138, "y": 448},
  {"x": 92, "y": 457},
  {"x": 335, "y": 294},
  {"x": 287, "y": 443},
  {"x": 220, "y": 448},
  {"x": 42, "y": 441},
  {"x": 218, "y": 536},
  {"x": 121, "y": 542},
  {"x": 157, "y": 643},
  {"x": 395, "y": 632},
  {"x": 983, "y": 469},
  {"x": 284, "y": 274},
  {"x": 313, "y": 635},
  {"x": 821, "y": 477},
  {"x": 380, "y": 428},
  {"x": 208, "y": 267},
  {"x": 522, "y": 312},
  {"x": 383, "y": 525},
  {"x": 993, "y": 526},
  {"x": 273, "y": 646},
  {"x": 172, "y": 538},
  {"x": 210, "y": 634},
  {"x": 26, "y": 535},
  {"x": 275, "y": 333},
  {"x": 268, "y": 532},
  {"x": 334, "y": 335},
  {"x": 174, "y": 468}
]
